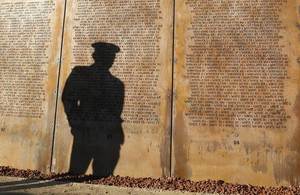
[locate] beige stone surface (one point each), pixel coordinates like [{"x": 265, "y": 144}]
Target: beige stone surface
[
  {"x": 29, "y": 61},
  {"x": 143, "y": 32},
  {"x": 236, "y": 95},
  {"x": 21, "y": 186},
  {"x": 236, "y": 102}
]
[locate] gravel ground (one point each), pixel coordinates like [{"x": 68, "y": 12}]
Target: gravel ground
[{"x": 166, "y": 183}]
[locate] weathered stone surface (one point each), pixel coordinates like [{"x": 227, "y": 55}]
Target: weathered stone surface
[
  {"x": 30, "y": 44},
  {"x": 143, "y": 32},
  {"x": 237, "y": 89},
  {"x": 236, "y": 86}
]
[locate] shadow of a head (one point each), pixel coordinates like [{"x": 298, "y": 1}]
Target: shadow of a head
[{"x": 104, "y": 54}]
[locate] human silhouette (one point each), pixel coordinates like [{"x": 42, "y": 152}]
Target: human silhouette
[{"x": 93, "y": 102}]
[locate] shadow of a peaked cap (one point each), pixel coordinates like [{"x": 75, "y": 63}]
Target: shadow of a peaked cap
[{"x": 103, "y": 47}]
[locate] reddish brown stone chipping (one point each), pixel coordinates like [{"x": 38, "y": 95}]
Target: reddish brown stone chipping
[{"x": 166, "y": 183}]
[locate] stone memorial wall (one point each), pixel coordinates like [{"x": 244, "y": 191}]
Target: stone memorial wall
[
  {"x": 30, "y": 46},
  {"x": 236, "y": 108},
  {"x": 143, "y": 32},
  {"x": 195, "y": 89}
]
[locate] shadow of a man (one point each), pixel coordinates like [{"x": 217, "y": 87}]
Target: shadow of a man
[{"x": 93, "y": 102}]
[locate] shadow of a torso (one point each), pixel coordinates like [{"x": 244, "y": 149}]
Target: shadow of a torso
[{"x": 93, "y": 101}]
